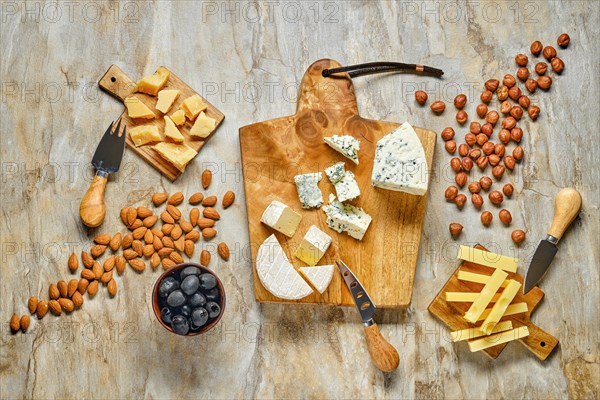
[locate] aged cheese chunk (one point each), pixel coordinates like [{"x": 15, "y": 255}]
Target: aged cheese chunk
[
  {"x": 487, "y": 258},
  {"x": 192, "y": 106},
  {"x": 313, "y": 246},
  {"x": 512, "y": 309},
  {"x": 466, "y": 297},
  {"x": 151, "y": 84},
  {"x": 203, "y": 126},
  {"x": 143, "y": 134},
  {"x": 137, "y": 109},
  {"x": 500, "y": 307},
  {"x": 348, "y": 146},
  {"x": 498, "y": 338},
  {"x": 477, "y": 278},
  {"x": 171, "y": 131},
  {"x": 400, "y": 162},
  {"x": 281, "y": 218},
  {"x": 319, "y": 276},
  {"x": 485, "y": 296},
  {"x": 166, "y": 98},
  {"x": 178, "y": 117},
  {"x": 346, "y": 218},
  {"x": 472, "y": 333},
  {"x": 276, "y": 273},
  {"x": 308, "y": 189},
  {"x": 177, "y": 154}
]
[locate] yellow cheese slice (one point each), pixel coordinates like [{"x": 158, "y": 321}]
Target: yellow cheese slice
[
  {"x": 137, "y": 109},
  {"x": 512, "y": 309},
  {"x": 487, "y": 258},
  {"x": 178, "y": 117},
  {"x": 500, "y": 307},
  {"x": 498, "y": 338},
  {"x": 177, "y": 154},
  {"x": 171, "y": 131},
  {"x": 472, "y": 333},
  {"x": 143, "y": 134},
  {"x": 203, "y": 126},
  {"x": 166, "y": 98},
  {"x": 477, "y": 278},
  {"x": 485, "y": 296},
  {"x": 192, "y": 106},
  {"x": 151, "y": 84},
  {"x": 466, "y": 297}
]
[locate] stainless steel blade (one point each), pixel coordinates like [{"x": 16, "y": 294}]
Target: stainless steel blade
[
  {"x": 363, "y": 302},
  {"x": 539, "y": 263},
  {"x": 109, "y": 152}
]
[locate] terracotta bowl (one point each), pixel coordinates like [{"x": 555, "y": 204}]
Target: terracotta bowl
[{"x": 177, "y": 268}]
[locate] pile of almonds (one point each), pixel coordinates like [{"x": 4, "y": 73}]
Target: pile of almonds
[
  {"x": 163, "y": 246},
  {"x": 479, "y": 149}
]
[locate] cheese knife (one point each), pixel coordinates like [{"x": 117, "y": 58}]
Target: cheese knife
[
  {"x": 566, "y": 207},
  {"x": 107, "y": 160},
  {"x": 384, "y": 355}
]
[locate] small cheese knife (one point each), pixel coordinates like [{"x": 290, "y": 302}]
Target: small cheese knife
[
  {"x": 566, "y": 207},
  {"x": 107, "y": 160},
  {"x": 384, "y": 355}
]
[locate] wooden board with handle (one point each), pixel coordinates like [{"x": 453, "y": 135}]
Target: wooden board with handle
[
  {"x": 119, "y": 85},
  {"x": 451, "y": 314},
  {"x": 274, "y": 151}
]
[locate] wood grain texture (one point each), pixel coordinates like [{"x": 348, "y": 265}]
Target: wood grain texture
[
  {"x": 92, "y": 208},
  {"x": 274, "y": 151},
  {"x": 384, "y": 355},
  {"x": 566, "y": 207}
]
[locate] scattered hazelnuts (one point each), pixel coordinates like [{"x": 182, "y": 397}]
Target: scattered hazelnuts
[
  {"x": 455, "y": 164},
  {"x": 536, "y": 48},
  {"x": 563, "y": 40},
  {"x": 492, "y": 84},
  {"x": 421, "y": 97},
  {"x": 447, "y": 133},
  {"x": 462, "y": 117},
  {"x": 486, "y": 218},
  {"x": 508, "y": 190},
  {"x": 460, "y": 101},
  {"x": 474, "y": 187},
  {"x": 531, "y": 85},
  {"x": 481, "y": 110},
  {"x": 470, "y": 139},
  {"x": 534, "y": 112},
  {"x": 518, "y": 153},
  {"x": 463, "y": 150},
  {"x": 524, "y": 101},
  {"x": 486, "y": 96},
  {"x": 544, "y": 82},
  {"x": 477, "y": 200},
  {"x": 505, "y": 216},
  {"x": 461, "y": 179},
  {"x": 541, "y": 68},
  {"x": 517, "y": 236},
  {"x": 523, "y": 74},
  {"x": 557, "y": 65},
  {"x": 450, "y": 146},
  {"x": 549, "y": 52},
  {"x": 502, "y": 93},
  {"x": 509, "y": 162},
  {"x": 496, "y": 197},
  {"x": 451, "y": 193},
  {"x": 467, "y": 164},
  {"x": 509, "y": 81},
  {"x": 460, "y": 200},
  {"x": 455, "y": 229},
  {"x": 438, "y": 107},
  {"x": 485, "y": 182},
  {"x": 521, "y": 60}
]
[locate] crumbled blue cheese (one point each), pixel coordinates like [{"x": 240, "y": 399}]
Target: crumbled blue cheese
[
  {"x": 348, "y": 146},
  {"x": 308, "y": 189},
  {"x": 336, "y": 172},
  {"x": 344, "y": 181},
  {"x": 400, "y": 162},
  {"x": 346, "y": 218}
]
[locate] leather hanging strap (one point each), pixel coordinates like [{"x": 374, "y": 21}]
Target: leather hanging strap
[{"x": 381, "y": 67}]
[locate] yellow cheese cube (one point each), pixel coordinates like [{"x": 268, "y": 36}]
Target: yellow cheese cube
[
  {"x": 166, "y": 98},
  {"x": 178, "y": 117},
  {"x": 177, "y": 154},
  {"x": 137, "y": 109},
  {"x": 171, "y": 131},
  {"x": 203, "y": 126},
  {"x": 144, "y": 134},
  {"x": 151, "y": 84},
  {"x": 192, "y": 106}
]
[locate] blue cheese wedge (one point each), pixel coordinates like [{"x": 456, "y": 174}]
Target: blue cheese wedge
[
  {"x": 281, "y": 218},
  {"x": 277, "y": 274},
  {"x": 400, "y": 162},
  {"x": 346, "y": 218},
  {"x": 319, "y": 276},
  {"x": 313, "y": 246},
  {"x": 348, "y": 146},
  {"x": 308, "y": 189},
  {"x": 344, "y": 181}
]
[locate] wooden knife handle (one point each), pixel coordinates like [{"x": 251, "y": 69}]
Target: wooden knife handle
[
  {"x": 116, "y": 83},
  {"x": 384, "y": 355},
  {"x": 92, "y": 208},
  {"x": 566, "y": 207}
]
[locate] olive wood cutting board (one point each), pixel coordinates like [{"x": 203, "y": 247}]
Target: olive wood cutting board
[
  {"x": 274, "y": 151},
  {"x": 119, "y": 85},
  {"x": 451, "y": 314}
]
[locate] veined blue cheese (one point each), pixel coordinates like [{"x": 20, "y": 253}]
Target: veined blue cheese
[
  {"x": 346, "y": 218},
  {"x": 336, "y": 172},
  {"x": 344, "y": 181},
  {"x": 400, "y": 162},
  {"x": 348, "y": 146},
  {"x": 308, "y": 189}
]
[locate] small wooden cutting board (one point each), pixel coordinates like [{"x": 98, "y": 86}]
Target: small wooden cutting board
[{"x": 119, "y": 85}]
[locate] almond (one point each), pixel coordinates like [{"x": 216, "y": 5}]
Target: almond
[
  {"x": 131, "y": 216},
  {"x": 167, "y": 228},
  {"x": 205, "y": 223},
  {"x": 176, "y": 257},
  {"x": 208, "y": 233},
  {"x": 25, "y": 321},
  {"x": 168, "y": 242},
  {"x": 42, "y": 309},
  {"x": 88, "y": 275},
  {"x": 62, "y": 288},
  {"x": 185, "y": 226},
  {"x": 157, "y": 233},
  {"x": 159, "y": 198},
  {"x": 87, "y": 260},
  {"x": 73, "y": 264},
  {"x": 106, "y": 277},
  {"x": 143, "y": 212},
  {"x": 167, "y": 263},
  {"x": 205, "y": 258},
  {"x": 209, "y": 201},
  {"x": 54, "y": 307},
  {"x": 139, "y": 232},
  {"x": 112, "y": 288},
  {"x": 72, "y": 287},
  {"x": 206, "y": 178},
  {"x": 109, "y": 263},
  {"x": 228, "y": 199},
  {"x": 150, "y": 221},
  {"x": 211, "y": 213},
  {"x": 15, "y": 323},
  {"x": 188, "y": 248},
  {"x": 148, "y": 237},
  {"x": 53, "y": 292},
  {"x": 196, "y": 198},
  {"x": 32, "y": 304},
  {"x": 130, "y": 254},
  {"x": 194, "y": 215},
  {"x": 175, "y": 199},
  {"x": 138, "y": 247},
  {"x": 92, "y": 289},
  {"x": 66, "y": 304},
  {"x": 115, "y": 242},
  {"x": 120, "y": 264},
  {"x": 157, "y": 243},
  {"x": 102, "y": 239},
  {"x": 174, "y": 212},
  {"x": 97, "y": 270},
  {"x": 193, "y": 236},
  {"x": 77, "y": 299},
  {"x": 176, "y": 232},
  {"x": 148, "y": 250},
  {"x": 137, "y": 264},
  {"x": 165, "y": 251},
  {"x": 124, "y": 215},
  {"x": 180, "y": 244},
  {"x": 166, "y": 218},
  {"x": 127, "y": 240},
  {"x": 83, "y": 285},
  {"x": 154, "y": 260},
  {"x": 97, "y": 250},
  {"x": 136, "y": 224},
  {"x": 223, "y": 251}
]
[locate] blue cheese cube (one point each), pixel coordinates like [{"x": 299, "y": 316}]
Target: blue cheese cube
[
  {"x": 347, "y": 218},
  {"x": 348, "y": 146},
  {"x": 344, "y": 181},
  {"x": 336, "y": 172},
  {"x": 308, "y": 189}
]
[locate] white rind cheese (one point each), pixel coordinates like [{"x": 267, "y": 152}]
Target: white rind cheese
[
  {"x": 400, "y": 162},
  {"x": 348, "y": 146},
  {"x": 313, "y": 246},
  {"x": 276, "y": 273},
  {"x": 346, "y": 218},
  {"x": 308, "y": 189},
  {"x": 281, "y": 218},
  {"x": 320, "y": 276}
]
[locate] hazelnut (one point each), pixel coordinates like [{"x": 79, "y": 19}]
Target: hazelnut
[
  {"x": 502, "y": 93},
  {"x": 486, "y": 218},
  {"x": 481, "y": 139},
  {"x": 455, "y": 229},
  {"x": 488, "y": 148},
  {"x": 563, "y": 40},
  {"x": 482, "y": 162},
  {"x": 541, "y": 68},
  {"x": 485, "y": 182},
  {"x": 475, "y": 153},
  {"x": 496, "y": 197},
  {"x": 450, "y": 146},
  {"x": 474, "y": 187},
  {"x": 438, "y": 107},
  {"x": 492, "y": 84},
  {"x": 470, "y": 139},
  {"x": 557, "y": 65},
  {"x": 460, "y": 200},
  {"x": 523, "y": 74},
  {"x": 461, "y": 179},
  {"x": 509, "y": 123},
  {"x": 493, "y": 159},
  {"x": 460, "y": 101},
  {"x": 508, "y": 190},
  {"x": 504, "y": 136},
  {"x": 505, "y": 216},
  {"x": 514, "y": 93},
  {"x": 536, "y": 48},
  {"x": 455, "y": 164},
  {"x": 451, "y": 192},
  {"x": 516, "y": 112},
  {"x": 516, "y": 134},
  {"x": 487, "y": 129},
  {"x": 544, "y": 82},
  {"x": 524, "y": 101},
  {"x": 505, "y": 107},
  {"x": 467, "y": 164},
  {"x": 498, "y": 171},
  {"x": 534, "y": 112},
  {"x": 509, "y": 162},
  {"x": 462, "y": 117},
  {"x": 477, "y": 200},
  {"x": 475, "y": 127},
  {"x": 531, "y": 85},
  {"x": 421, "y": 97},
  {"x": 492, "y": 117},
  {"x": 521, "y": 60},
  {"x": 447, "y": 134},
  {"x": 518, "y": 153},
  {"x": 482, "y": 109},
  {"x": 549, "y": 52},
  {"x": 463, "y": 150},
  {"x": 499, "y": 149},
  {"x": 517, "y": 236},
  {"x": 486, "y": 96},
  {"x": 509, "y": 81}
]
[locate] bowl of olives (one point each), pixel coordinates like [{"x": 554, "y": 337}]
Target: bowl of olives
[{"x": 188, "y": 299}]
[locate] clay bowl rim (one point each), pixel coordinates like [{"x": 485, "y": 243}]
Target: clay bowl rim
[{"x": 176, "y": 268}]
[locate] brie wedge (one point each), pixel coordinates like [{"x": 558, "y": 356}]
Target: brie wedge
[
  {"x": 281, "y": 218},
  {"x": 348, "y": 146},
  {"x": 313, "y": 246},
  {"x": 346, "y": 218},
  {"x": 319, "y": 276},
  {"x": 308, "y": 189}
]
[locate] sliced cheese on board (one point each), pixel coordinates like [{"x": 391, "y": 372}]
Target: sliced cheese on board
[
  {"x": 348, "y": 146},
  {"x": 498, "y": 338},
  {"x": 178, "y": 117},
  {"x": 476, "y": 278},
  {"x": 472, "y": 333},
  {"x": 319, "y": 276},
  {"x": 314, "y": 245},
  {"x": 466, "y": 297},
  {"x": 151, "y": 84},
  {"x": 166, "y": 98},
  {"x": 487, "y": 258},
  {"x": 171, "y": 131},
  {"x": 512, "y": 309},
  {"x": 277, "y": 274},
  {"x": 500, "y": 307},
  {"x": 203, "y": 126},
  {"x": 193, "y": 106},
  {"x": 143, "y": 134},
  {"x": 281, "y": 218},
  {"x": 485, "y": 296},
  {"x": 177, "y": 154},
  {"x": 137, "y": 109}
]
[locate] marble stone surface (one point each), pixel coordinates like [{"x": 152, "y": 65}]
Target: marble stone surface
[{"x": 247, "y": 59}]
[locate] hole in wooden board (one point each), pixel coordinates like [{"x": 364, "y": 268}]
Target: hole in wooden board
[
  {"x": 543, "y": 344},
  {"x": 113, "y": 79},
  {"x": 365, "y": 305},
  {"x": 353, "y": 284}
]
